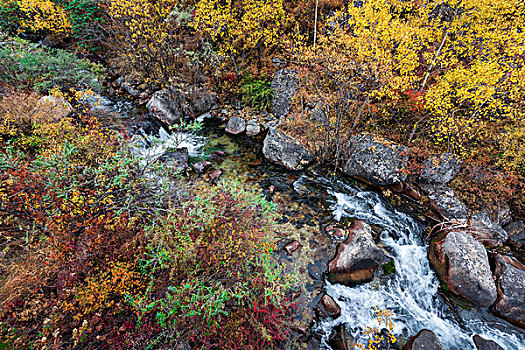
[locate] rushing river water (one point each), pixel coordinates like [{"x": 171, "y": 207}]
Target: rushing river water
[{"x": 411, "y": 292}]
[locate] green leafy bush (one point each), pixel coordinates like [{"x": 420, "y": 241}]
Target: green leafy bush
[
  {"x": 257, "y": 93},
  {"x": 24, "y": 65},
  {"x": 9, "y": 16},
  {"x": 225, "y": 291}
]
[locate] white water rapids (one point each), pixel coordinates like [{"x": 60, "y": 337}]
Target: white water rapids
[{"x": 412, "y": 291}]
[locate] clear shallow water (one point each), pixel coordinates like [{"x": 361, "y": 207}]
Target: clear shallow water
[{"x": 412, "y": 291}]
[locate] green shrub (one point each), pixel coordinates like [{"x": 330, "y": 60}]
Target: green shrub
[
  {"x": 86, "y": 18},
  {"x": 23, "y": 65},
  {"x": 9, "y": 16},
  {"x": 257, "y": 93},
  {"x": 225, "y": 291}
]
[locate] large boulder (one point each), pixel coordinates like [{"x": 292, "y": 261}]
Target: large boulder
[
  {"x": 51, "y": 108},
  {"x": 485, "y": 344},
  {"x": 380, "y": 162},
  {"x": 170, "y": 104},
  {"x": 440, "y": 169},
  {"x": 462, "y": 263},
  {"x": 445, "y": 201},
  {"x": 284, "y": 150},
  {"x": 283, "y": 85},
  {"x": 510, "y": 281},
  {"x": 424, "y": 340},
  {"x": 356, "y": 258}
]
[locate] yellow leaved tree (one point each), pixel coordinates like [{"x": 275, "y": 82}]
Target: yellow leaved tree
[
  {"x": 239, "y": 26},
  {"x": 463, "y": 60}
]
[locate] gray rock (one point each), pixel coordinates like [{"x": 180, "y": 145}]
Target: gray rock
[
  {"x": 379, "y": 162},
  {"x": 440, "y": 169},
  {"x": 284, "y": 87},
  {"x": 510, "y": 281},
  {"x": 424, "y": 340},
  {"x": 485, "y": 231},
  {"x": 284, "y": 150},
  {"x": 235, "y": 126},
  {"x": 516, "y": 232},
  {"x": 170, "y": 105},
  {"x": 319, "y": 116},
  {"x": 356, "y": 258},
  {"x": 462, "y": 263},
  {"x": 444, "y": 200},
  {"x": 485, "y": 344},
  {"x": 252, "y": 128}
]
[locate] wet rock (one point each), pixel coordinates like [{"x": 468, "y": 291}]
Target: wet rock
[
  {"x": 510, "y": 281},
  {"x": 462, "y": 263},
  {"x": 485, "y": 344},
  {"x": 292, "y": 247},
  {"x": 200, "y": 167},
  {"x": 170, "y": 105},
  {"x": 283, "y": 86},
  {"x": 424, "y": 340},
  {"x": 444, "y": 200},
  {"x": 516, "y": 233},
  {"x": 176, "y": 160},
  {"x": 285, "y": 151},
  {"x": 341, "y": 339},
  {"x": 51, "y": 108},
  {"x": 440, "y": 169},
  {"x": 316, "y": 270},
  {"x": 235, "y": 126},
  {"x": 357, "y": 258},
  {"x": 300, "y": 187},
  {"x": 328, "y": 306},
  {"x": 485, "y": 231},
  {"x": 379, "y": 162},
  {"x": 252, "y": 128}
]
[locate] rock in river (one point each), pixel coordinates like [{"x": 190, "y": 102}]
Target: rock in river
[
  {"x": 462, "y": 263},
  {"x": 510, "y": 304},
  {"x": 424, "y": 340},
  {"x": 170, "y": 105},
  {"x": 357, "y": 258},
  {"x": 235, "y": 126}
]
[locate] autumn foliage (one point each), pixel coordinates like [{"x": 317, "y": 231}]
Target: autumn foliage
[{"x": 89, "y": 261}]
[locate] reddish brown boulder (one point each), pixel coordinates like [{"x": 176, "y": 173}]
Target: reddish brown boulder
[
  {"x": 462, "y": 263},
  {"x": 329, "y": 306},
  {"x": 510, "y": 282},
  {"x": 357, "y": 258}
]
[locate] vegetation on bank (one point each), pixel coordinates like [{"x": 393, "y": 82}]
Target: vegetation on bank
[{"x": 92, "y": 255}]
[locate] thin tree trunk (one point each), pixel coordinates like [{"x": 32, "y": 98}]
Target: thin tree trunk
[
  {"x": 429, "y": 70},
  {"x": 315, "y": 22}
]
